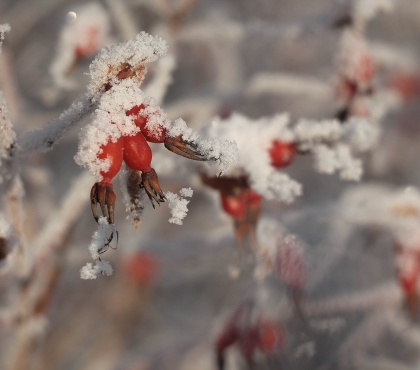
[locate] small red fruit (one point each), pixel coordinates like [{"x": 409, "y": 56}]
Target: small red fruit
[
  {"x": 89, "y": 45},
  {"x": 365, "y": 70},
  {"x": 154, "y": 136},
  {"x": 114, "y": 153},
  {"x": 269, "y": 336},
  {"x": 281, "y": 154},
  {"x": 235, "y": 206},
  {"x": 142, "y": 268},
  {"x": 406, "y": 85},
  {"x": 137, "y": 153}
]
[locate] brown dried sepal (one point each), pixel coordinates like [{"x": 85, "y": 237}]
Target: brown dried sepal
[
  {"x": 184, "y": 148},
  {"x": 3, "y": 248},
  {"x": 230, "y": 186},
  {"x": 124, "y": 71}
]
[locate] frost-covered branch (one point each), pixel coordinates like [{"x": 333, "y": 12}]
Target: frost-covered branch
[
  {"x": 62, "y": 220},
  {"x": 263, "y": 142},
  {"x": 386, "y": 295},
  {"x": 288, "y": 84},
  {"x": 43, "y": 140},
  {"x": 3, "y": 29},
  {"x": 100, "y": 243},
  {"x": 158, "y": 87},
  {"x": 397, "y": 210},
  {"x": 7, "y": 135}
]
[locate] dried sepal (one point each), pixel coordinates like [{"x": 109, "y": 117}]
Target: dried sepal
[{"x": 133, "y": 194}]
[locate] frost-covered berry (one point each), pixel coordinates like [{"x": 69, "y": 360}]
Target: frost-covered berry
[{"x": 281, "y": 153}]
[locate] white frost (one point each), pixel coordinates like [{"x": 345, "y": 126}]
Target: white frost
[
  {"x": 337, "y": 158},
  {"x": 397, "y": 210},
  {"x": 144, "y": 48},
  {"x": 370, "y": 8},
  {"x": 5, "y": 228},
  {"x": 3, "y": 29},
  {"x": 362, "y": 134},
  {"x": 7, "y": 134},
  {"x": 253, "y": 138},
  {"x": 100, "y": 238},
  {"x": 89, "y": 271},
  {"x": 186, "y": 192},
  {"x": 178, "y": 205}
]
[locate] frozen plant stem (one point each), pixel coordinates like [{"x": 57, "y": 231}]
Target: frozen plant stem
[
  {"x": 41, "y": 141},
  {"x": 43, "y": 272}
]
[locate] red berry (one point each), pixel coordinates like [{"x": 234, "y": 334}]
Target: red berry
[
  {"x": 406, "y": 85},
  {"x": 409, "y": 284},
  {"x": 408, "y": 271},
  {"x": 89, "y": 45},
  {"x": 227, "y": 338},
  {"x": 253, "y": 198},
  {"x": 135, "y": 110},
  {"x": 281, "y": 153},
  {"x": 365, "y": 70},
  {"x": 235, "y": 206},
  {"x": 155, "y": 136},
  {"x": 137, "y": 153},
  {"x": 114, "y": 153},
  {"x": 269, "y": 336},
  {"x": 141, "y": 268}
]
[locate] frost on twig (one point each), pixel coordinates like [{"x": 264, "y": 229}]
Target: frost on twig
[
  {"x": 116, "y": 75},
  {"x": 5, "y": 237},
  {"x": 110, "y": 122},
  {"x": 7, "y": 133},
  {"x": 43, "y": 140},
  {"x": 279, "y": 252},
  {"x": 89, "y": 271},
  {"x": 253, "y": 138},
  {"x": 225, "y": 152},
  {"x": 178, "y": 204},
  {"x": 39, "y": 141},
  {"x": 3, "y": 29},
  {"x": 162, "y": 78},
  {"x": 7, "y": 141},
  {"x": 61, "y": 221},
  {"x": 133, "y": 195},
  {"x": 338, "y": 158},
  {"x": 392, "y": 56},
  {"x": 369, "y": 9},
  {"x": 100, "y": 240},
  {"x": 396, "y": 210},
  {"x": 144, "y": 48},
  {"x": 288, "y": 84},
  {"x": 331, "y": 143}
]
